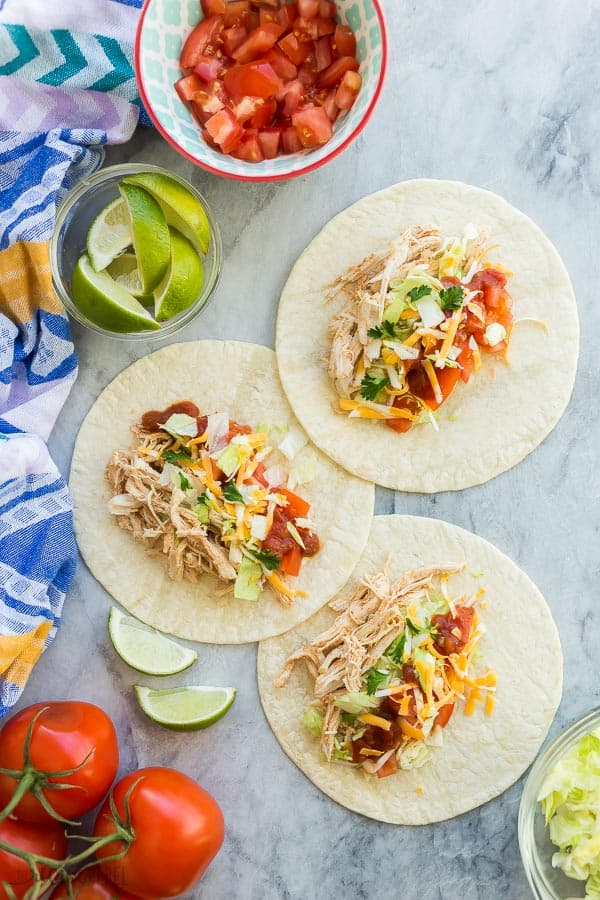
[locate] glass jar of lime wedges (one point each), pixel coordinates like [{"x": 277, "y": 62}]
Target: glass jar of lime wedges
[{"x": 136, "y": 252}]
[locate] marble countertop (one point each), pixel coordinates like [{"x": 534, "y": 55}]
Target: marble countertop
[{"x": 503, "y": 96}]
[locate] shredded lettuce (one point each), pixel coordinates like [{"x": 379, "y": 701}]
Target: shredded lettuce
[
  {"x": 313, "y": 720},
  {"x": 356, "y": 702},
  {"x": 413, "y": 755},
  {"x": 228, "y": 459},
  {"x": 181, "y": 425},
  {"x": 570, "y": 799}
]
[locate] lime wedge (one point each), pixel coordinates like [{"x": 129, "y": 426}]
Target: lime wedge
[
  {"x": 124, "y": 269},
  {"x": 182, "y": 283},
  {"x": 185, "y": 708},
  {"x": 146, "y": 649},
  {"x": 106, "y": 303},
  {"x": 182, "y": 209},
  {"x": 150, "y": 235},
  {"x": 109, "y": 234}
]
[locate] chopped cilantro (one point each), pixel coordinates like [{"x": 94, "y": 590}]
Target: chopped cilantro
[
  {"x": 268, "y": 559},
  {"x": 375, "y": 678},
  {"x": 452, "y": 297},
  {"x": 175, "y": 456},
  {"x": 371, "y": 385},
  {"x": 395, "y": 651},
  {"x": 231, "y": 493},
  {"x": 417, "y": 293},
  {"x": 184, "y": 484},
  {"x": 385, "y": 330}
]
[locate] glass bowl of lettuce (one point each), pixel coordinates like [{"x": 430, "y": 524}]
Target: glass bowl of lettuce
[{"x": 559, "y": 815}]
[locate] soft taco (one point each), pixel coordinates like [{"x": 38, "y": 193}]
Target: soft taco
[
  {"x": 199, "y": 503},
  {"x": 427, "y": 338},
  {"x": 427, "y": 686}
]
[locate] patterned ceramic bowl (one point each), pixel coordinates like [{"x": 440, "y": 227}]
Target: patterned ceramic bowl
[{"x": 162, "y": 30}]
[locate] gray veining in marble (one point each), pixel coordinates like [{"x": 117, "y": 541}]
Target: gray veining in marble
[{"x": 505, "y": 96}]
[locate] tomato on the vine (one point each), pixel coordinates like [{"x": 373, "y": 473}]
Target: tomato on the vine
[
  {"x": 91, "y": 884},
  {"x": 44, "y": 840},
  {"x": 178, "y": 830},
  {"x": 66, "y": 735}
]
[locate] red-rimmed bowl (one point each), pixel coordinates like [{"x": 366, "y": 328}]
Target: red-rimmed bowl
[{"x": 163, "y": 27}]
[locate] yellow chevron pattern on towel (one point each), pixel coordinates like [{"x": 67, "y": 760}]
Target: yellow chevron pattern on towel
[
  {"x": 26, "y": 282},
  {"x": 20, "y": 652}
]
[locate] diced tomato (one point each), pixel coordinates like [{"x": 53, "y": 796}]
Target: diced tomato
[
  {"x": 307, "y": 75},
  {"x": 235, "y": 428},
  {"x": 208, "y": 68},
  {"x": 264, "y": 114},
  {"x": 282, "y": 66},
  {"x": 292, "y": 95},
  {"x": 390, "y": 767},
  {"x": 253, "y": 20},
  {"x": 297, "y": 506},
  {"x": 344, "y": 42},
  {"x": 322, "y": 54},
  {"x": 444, "y": 715},
  {"x": 467, "y": 361},
  {"x": 279, "y": 540},
  {"x": 225, "y": 129},
  {"x": 287, "y": 14},
  {"x": 259, "y": 474},
  {"x": 326, "y": 9},
  {"x": 232, "y": 38},
  {"x": 237, "y": 13},
  {"x": 295, "y": 49},
  {"x": 268, "y": 15},
  {"x": 249, "y": 148},
  {"x": 337, "y": 70},
  {"x": 308, "y": 9},
  {"x": 290, "y": 140},
  {"x": 313, "y": 126},
  {"x": 199, "y": 113},
  {"x": 324, "y": 26},
  {"x": 246, "y": 108},
  {"x": 447, "y": 641},
  {"x": 256, "y": 79},
  {"x": 348, "y": 90},
  {"x": 403, "y": 425},
  {"x": 258, "y": 42},
  {"x": 208, "y": 138},
  {"x": 213, "y": 7},
  {"x": 269, "y": 140},
  {"x": 205, "y": 33},
  {"x": 292, "y": 561},
  {"x": 187, "y": 87}
]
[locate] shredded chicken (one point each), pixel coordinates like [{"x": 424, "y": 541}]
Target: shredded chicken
[{"x": 366, "y": 624}]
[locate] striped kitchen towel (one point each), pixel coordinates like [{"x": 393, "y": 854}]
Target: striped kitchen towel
[{"x": 66, "y": 89}]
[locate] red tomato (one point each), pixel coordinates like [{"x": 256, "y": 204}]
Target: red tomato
[
  {"x": 447, "y": 641},
  {"x": 308, "y": 9},
  {"x": 258, "y": 42},
  {"x": 337, "y": 69},
  {"x": 264, "y": 114},
  {"x": 324, "y": 26},
  {"x": 330, "y": 106},
  {"x": 444, "y": 715},
  {"x": 327, "y": 9},
  {"x": 256, "y": 79},
  {"x": 290, "y": 140},
  {"x": 282, "y": 66},
  {"x": 287, "y": 14},
  {"x": 213, "y": 7},
  {"x": 45, "y": 840},
  {"x": 420, "y": 385},
  {"x": 292, "y": 561},
  {"x": 208, "y": 68},
  {"x": 295, "y": 49},
  {"x": 296, "y": 506},
  {"x": 249, "y": 148},
  {"x": 467, "y": 361},
  {"x": 178, "y": 830},
  {"x": 313, "y": 126},
  {"x": 344, "y": 42},
  {"x": 225, "y": 129},
  {"x": 269, "y": 140},
  {"x": 232, "y": 38},
  {"x": 187, "y": 87},
  {"x": 307, "y": 74},
  {"x": 237, "y": 13},
  {"x": 390, "y": 767},
  {"x": 203, "y": 34},
  {"x": 292, "y": 95},
  {"x": 91, "y": 884},
  {"x": 322, "y": 54},
  {"x": 66, "y": 735},
  {"x": 235, "y": 429},
  {"x": 348, "y": 90}
]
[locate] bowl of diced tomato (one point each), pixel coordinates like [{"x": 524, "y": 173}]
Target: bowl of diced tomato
[{"x": 260, "y": 90}]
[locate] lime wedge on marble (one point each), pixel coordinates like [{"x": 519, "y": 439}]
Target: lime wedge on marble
[
  {"x": 146, "y": 649},
  {"x": 182, "y": 209},
  {"x": 150, "y": 235},
  {"x": 106, "y": 303},
  {"x": 109, "y": 234},
  {"x": 185, "y": 708},
  {"x": 124, "y": 269},
  {"x": 183, "y": 281}
]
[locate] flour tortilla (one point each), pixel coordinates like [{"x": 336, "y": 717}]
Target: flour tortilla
[
  {"x": 242, "y": 379},
  {"x": 486, "y": 426},
  {"x": 481, "y": 756}
]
